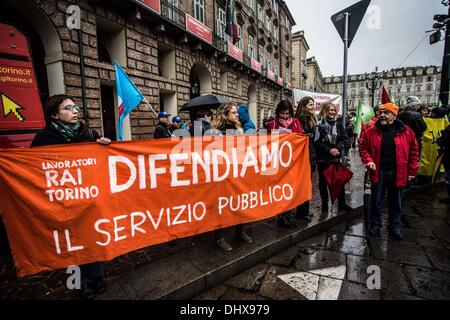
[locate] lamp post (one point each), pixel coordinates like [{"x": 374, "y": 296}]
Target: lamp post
[{"x": 374, "y": 83}]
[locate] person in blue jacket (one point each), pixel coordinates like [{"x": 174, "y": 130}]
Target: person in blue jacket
[{"x": 247, "y": 124}]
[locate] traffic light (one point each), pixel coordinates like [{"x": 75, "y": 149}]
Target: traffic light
[{"x": 435, "y": 37}]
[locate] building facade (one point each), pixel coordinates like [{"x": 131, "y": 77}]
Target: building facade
[
  {"x": 173, "y": 50},
  {"x": 300, "y": 48},
  {"x": 423, "y": 82},
  {"x": 315, "y": 78}
]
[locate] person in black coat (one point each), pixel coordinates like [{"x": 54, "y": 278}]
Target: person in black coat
[
  {"x": 64, "y": 127},
  {"x": 413, "y": 119},
  {"x": 308, "y": 120},
  {"x": 202, "y": 124},
  {"x": 444, "y": 143},
  {"x": 330, "y": 141},
  {"x": 162, "y": 129}
]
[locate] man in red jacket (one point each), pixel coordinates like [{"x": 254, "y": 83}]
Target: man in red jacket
[{"x": 390, "y": 151}]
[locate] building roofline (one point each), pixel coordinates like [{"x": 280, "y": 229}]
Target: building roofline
[
  {"x": 301, "y": 34},
  {"x": 288, "y": 12}
]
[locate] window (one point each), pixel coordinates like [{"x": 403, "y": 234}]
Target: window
[
  {"x": 391, "y": 82},
  {"x": 287, "y": 76},
  {"x": 409, "y": 80},
  {"x": 275, "y": 7},
  {"x": 399, "y": 90},
  {"x": 199, "y": 10},
  {"x": 275, "y": 33},
  {"x": 261, "y": 54},
  {"x": 251, "y": 3},
  {"x": 251, "y": 50},
  {"x": 221, "y": 23},
  {"x": 260, "y": 13},
  {"x": 287, "y": 23},
  {"x": 269, "y": 65},
  {"x": 419, "y": 88},
  {"x": 430, "y": 79},
  {"x": 240, "y": 43},
  {"x": 268, "y": 24},
  {"x": 429, "y": 87},
  {"x": 408, "y": 89},
  {"x": 172, "y": 14},
  {"x": 276, "y": 70}
]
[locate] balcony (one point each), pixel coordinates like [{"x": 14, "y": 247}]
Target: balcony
[
  {"x": 220, "y": 43},
  {"x": 247, "y": 60},
  {"x": 173, "y": 14}
]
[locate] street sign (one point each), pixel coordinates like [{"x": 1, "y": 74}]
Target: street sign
[{"x": 356, "y": 15}]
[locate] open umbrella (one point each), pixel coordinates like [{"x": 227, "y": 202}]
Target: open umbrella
[
  {"x": 337, "y": 176},
  {"x": 209, "y": 101}
]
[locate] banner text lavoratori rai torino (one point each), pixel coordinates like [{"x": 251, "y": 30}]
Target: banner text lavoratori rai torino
[{"x": 76, "y": 204}]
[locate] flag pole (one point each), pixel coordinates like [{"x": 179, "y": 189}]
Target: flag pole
[{"x": 145, "y": 100}]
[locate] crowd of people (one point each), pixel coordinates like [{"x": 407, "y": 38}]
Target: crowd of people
[{"x": 389, "y": 146}]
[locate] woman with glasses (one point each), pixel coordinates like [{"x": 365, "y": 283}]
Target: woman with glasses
[
  {"x": 227, "y": 122},
  {"x": 285, "y": 122},
  {"x": 63, "y": 126}
]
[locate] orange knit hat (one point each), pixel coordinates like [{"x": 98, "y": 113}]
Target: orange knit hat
[{"x": 390, "y": 107}]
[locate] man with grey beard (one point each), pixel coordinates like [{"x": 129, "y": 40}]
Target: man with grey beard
[{"x": 390, "y": 151}]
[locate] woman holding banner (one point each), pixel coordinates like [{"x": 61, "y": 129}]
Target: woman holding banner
[
  {"x": 330, "y": 141},
  {"x": 63, "y": 126},
  {"x": 308, "y": 120},
  {"x": 285, "y": 122},
  {"x": 227, "y": 123}
]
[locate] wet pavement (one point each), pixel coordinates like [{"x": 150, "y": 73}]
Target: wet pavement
[{"x": 334, "y": 264}]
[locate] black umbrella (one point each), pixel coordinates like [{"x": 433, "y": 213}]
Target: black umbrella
[{"x": 209, "y": 101}]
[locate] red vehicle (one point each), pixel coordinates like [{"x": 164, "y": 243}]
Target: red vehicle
[{"x": 21, "y": 112}]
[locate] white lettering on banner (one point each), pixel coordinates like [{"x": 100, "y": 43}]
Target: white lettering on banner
[
  {"x": 253, "y": 199},
  {"x": 221, "y": 163},
  {"x": 176, "y": 215}
]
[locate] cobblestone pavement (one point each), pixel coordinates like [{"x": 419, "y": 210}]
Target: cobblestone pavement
[{"x": 416, "y": 268}]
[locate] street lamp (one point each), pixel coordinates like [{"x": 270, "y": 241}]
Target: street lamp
[{"x": 374, "y": 83}]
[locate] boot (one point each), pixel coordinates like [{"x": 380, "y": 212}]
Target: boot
[
  {"x": 345, "y": 207},
  {"x": 284, "y": 222},
  {"x": 224, "y": 245},
  {"x": 87, "y": 292},
  {"x": 243, "y": 236},
  {"x": 99, "y": 285},
  {"x": 325, "y": 207}
]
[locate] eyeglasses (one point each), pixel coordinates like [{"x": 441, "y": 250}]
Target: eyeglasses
[{"x": 72, "y": 108}]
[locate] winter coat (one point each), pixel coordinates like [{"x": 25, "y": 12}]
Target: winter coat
[
  {"x": 205, "y": 126},
  {"x": 50, "y": 136},
  {"x": 162, "y": 131},
  {"x": 444, "y": 143},
  {"x": 295, "y": 126},
  {"x": 323, "y": 147},
  {"x": 406, "y": 152},
  {"x": 414, "y": 120},
  {"x": 310, "y": 131},
  {"x": 247, "y": 124},
  {"x": 229, "y": 126}
]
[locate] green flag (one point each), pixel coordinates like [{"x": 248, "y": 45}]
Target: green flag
[{"x": 364, "y": 114}]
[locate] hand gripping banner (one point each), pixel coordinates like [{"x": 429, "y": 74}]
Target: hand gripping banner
[{"x": 76, "y": 204}]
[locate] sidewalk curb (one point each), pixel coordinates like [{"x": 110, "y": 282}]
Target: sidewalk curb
[{"x": 212, "y": 278}]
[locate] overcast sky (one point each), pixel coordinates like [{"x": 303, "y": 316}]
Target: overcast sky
[{"x": 402, "y": 25}]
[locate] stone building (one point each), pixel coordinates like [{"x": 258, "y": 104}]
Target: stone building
[
  {"x": 173, "y": 50},
  {"x": 300, "y": 48},
  {"x": 315, "y": 78},
  {"x": 423, "y": 82}
]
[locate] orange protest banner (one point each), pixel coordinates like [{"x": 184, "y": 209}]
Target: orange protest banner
[{"x": 76, "y": 204}]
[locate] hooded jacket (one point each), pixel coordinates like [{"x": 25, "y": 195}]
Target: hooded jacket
[
  {"x": 247, "y": 124},
  {"x": 414, "y": 120},
  {"x": 323, "y": 148},
  {"x": 406, "y": 151}
]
